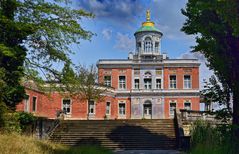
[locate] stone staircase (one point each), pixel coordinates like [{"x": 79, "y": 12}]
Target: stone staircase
[{"x": 117, "y": 134}]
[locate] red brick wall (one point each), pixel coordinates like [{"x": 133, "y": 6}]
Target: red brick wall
[
  {"x": 115, "y": 73},
  {"x": 127, "y": 107},
  {"x": 47, "y": 106},
  {"x": 195, "y": 104},
  {"x": 180, "y": 72}
]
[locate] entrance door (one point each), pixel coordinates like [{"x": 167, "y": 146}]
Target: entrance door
[{"x": 148, "y": 110}]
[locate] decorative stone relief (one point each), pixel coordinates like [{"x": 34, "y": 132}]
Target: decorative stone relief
[{"x": 107, "y": 72}]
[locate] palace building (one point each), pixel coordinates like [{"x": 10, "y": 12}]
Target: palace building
[{"x": 146, "y": 85}]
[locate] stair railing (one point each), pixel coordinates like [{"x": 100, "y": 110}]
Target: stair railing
[{"x": 52, "y": 129}]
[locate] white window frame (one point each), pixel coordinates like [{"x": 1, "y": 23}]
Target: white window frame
[
  {"x": 122, "y": 102},
  {"x": 109, "y": 108},
  {"x": 148, "y": 45},
  {"x": 189, "y": 102},
  {"x": 135, "y": 83},
  {"x": 188, "y": 82},
  {"x": 70, "y": 105},
  {"x": 157, "y": 83},
  {"x": 147, "y": 76},
  {"x": 35, "y": 104},
  {"x": 148, "y": 85},
  {"x": 27, "y": 103},
  {"x": 172, "y": 102},
  {"x": 122, "y": 83},
  {"x": 90, "y": 106},
  {"x": 175, "y": 82},
  {"x": 107, "y": 82}
]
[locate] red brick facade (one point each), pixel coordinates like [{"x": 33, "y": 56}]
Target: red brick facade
[
  {"x": 146, "y": 85},
  {"x": 47, "y": 105}
]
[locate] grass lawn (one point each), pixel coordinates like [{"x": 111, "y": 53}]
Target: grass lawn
[{"x": 17, "y": 144}]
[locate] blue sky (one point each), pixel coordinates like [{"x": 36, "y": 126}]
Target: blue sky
[{"x": 116, "y": 21}]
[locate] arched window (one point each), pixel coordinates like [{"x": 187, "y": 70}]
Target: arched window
[{"x": 148, "y": 45}]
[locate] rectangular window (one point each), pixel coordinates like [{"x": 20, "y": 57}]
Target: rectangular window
[
  {"x": 122, "y": 84},
  {"x": 91, "y": 107},
  {"x": 187, "y": 105},
  {"x": 66, "y": 106},
  {"x": 157, "y": 46},
  {"x": 107, "y": 81},
  {"x": 107, "y": 108},
  {"x": 26, "y": 103},
  {"x": 172, "y": 107},
  {"x": 122, "y": 109},
  {"x": 158, "y": 83},
  {"x": 136, "y": 83},
  {"x": 172, "y": 82},
  {"x": 187, "y": 82},
  {"x": 34, "y": 104},
  {"x": 147, "y": 83}
]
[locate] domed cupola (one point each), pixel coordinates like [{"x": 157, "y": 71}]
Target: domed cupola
[{"x": 148, "y": 39}]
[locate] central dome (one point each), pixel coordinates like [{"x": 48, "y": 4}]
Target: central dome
[{"x": 148, "y": 26}]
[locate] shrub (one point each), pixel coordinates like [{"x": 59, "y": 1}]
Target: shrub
[
  {"x": 25, "y": 119},
  {"x": 206, "y": 138},
  {"x": 11, "y": 123},
  {"x": 16, "y": 121}
]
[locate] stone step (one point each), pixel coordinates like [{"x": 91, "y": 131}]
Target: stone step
[{"x": 117, "y": 134}]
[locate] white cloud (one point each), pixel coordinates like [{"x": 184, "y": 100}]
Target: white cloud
[
  {"x": 107, "y": 33},
  {"x": 122, "y": 12},
  {"x": 124, "y": 42},
  {"x": 204, "y": 72},
  {"x": 169, "y": 19}
]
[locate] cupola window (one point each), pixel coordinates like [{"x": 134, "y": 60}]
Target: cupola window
[
  {"x": 138, "y": 46},
  {"x": 148, "y": 45}
]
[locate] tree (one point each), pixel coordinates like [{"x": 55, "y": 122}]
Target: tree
[
  {"x": 34, "y": 35},
  {"x": 216, "y": 25},
  {"x": 82, "y": 84},
  {"x": 213, "y": 92}
]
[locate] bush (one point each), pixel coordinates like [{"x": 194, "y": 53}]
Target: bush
[
  {"x": 26, "y": 119},
  {"x": 11, "y": 123},
  {"x": 16, "y": 121},
  {"x": 219, "y": 139},
  {"x": 3, "y": 109}
]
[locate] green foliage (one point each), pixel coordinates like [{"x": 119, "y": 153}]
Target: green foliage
[
  {"x": 81, "y": 83},
  {"x": 206, "y": 138},
  {"x": 25, "y": 119},
  {"x": 34, "y": 35},
  {"x": 15, "y": 122},
  {"x": 214, "y": 92},
  {"x": 11, "y": 123},
  {"x": 203, "y": 133},
  {"x": 3, "y": 110},
  {"x": 215, "y": 33},
  {"x": 216, "y": 26}
]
